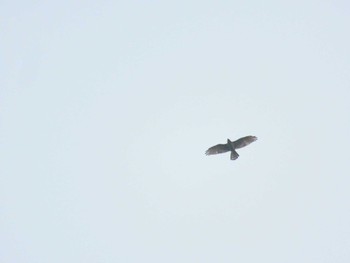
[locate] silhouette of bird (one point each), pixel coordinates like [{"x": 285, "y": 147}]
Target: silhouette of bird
[{"x": 231, "y": 146}]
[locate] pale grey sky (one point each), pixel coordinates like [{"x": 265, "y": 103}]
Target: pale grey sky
[{"x": 107, "y": 108}]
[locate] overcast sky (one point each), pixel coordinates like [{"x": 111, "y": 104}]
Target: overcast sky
[{"x": 107, "y": 108}]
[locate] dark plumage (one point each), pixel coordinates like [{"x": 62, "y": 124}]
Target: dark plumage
[{"x": 231, "y": 146}]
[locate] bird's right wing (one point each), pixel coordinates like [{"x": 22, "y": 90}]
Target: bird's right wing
[
  {"x": 242, "y": 142},
  {"x": 220, "y": 148}
]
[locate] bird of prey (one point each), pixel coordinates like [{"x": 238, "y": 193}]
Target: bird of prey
[{"x": 231, "y": 146}]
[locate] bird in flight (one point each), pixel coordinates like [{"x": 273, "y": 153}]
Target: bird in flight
[{"x": 231, "y": 146}]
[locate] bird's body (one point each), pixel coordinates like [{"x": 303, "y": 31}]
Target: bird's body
[{"x": 231, "y": 146}]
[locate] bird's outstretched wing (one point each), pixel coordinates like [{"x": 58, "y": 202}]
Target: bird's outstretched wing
[
  {"x": 244, "y": 141},
  {"x": 234, "y": 155},
  {"x": 220, "y": 148}
]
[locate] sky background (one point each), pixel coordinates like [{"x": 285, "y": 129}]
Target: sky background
[{"x": 107, "y": 108}]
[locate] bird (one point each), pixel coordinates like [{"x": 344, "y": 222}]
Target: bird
[{"x": 231, "y": 146}]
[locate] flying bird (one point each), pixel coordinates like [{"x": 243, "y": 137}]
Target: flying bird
[{"x": 231, "y": 146}]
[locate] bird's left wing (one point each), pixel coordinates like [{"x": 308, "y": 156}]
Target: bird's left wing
[{"x": 220, "y": 148}]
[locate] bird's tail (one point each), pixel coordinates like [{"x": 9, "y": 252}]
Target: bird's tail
[{"x": 234, "y": 155}]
